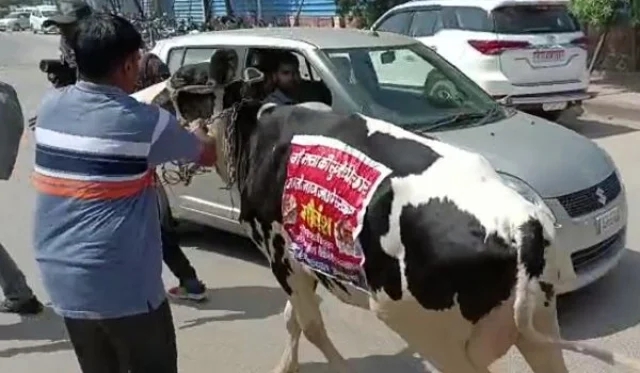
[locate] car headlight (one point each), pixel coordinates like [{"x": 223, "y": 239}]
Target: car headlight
[{"x": 526, "y": 192}]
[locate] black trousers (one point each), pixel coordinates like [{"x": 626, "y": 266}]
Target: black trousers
[
  {"x": 144, "y": 343},
  {"x": 172, "y": 253}
]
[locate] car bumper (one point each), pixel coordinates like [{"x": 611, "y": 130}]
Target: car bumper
[{"x": 584, "y": 254}]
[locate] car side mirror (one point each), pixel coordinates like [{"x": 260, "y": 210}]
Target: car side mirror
[{"x": 252, "y": 75}]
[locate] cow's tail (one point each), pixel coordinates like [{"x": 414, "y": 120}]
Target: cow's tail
[{"x": 530, "y": 294}]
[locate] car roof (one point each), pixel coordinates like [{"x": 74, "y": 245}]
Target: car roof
[
  {"x": 484, "y": 4},
  {"x": 292, "y": 37}
]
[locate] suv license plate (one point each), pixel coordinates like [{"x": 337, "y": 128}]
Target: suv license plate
[
  {"x": 607, "y": 220},
  {"x": 550, "y": 55},
  {"x": 554, "y": 106}
]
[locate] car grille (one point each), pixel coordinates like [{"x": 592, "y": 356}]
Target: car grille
[
  {"x": 583, "y": 258},
  {"x": 587, "y": 200}
]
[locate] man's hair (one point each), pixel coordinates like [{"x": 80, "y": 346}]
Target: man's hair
[
  {"x": 102, "y": 42},
  {"x": 287, "y": 58}
]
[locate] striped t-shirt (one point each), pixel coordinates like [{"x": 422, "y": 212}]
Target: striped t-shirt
[{"x": 97, "y": 229}]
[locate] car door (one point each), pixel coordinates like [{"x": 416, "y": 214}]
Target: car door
[
  {"x": 23, "y": 20},
  {"x": 205, "y": 195}
]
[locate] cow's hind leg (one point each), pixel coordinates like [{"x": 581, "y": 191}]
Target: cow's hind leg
[
  {"x": 289, "y": 361},
  {"x": 302, "y": 315},
  {"x": 544, "y": 358}
]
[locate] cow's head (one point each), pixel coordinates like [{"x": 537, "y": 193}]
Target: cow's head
[{"x": 211, "y": 92}]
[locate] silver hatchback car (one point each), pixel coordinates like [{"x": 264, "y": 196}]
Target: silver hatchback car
[{"x": 397, "y": 79}]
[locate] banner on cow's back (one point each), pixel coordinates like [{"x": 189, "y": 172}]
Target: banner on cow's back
[{"x": 328, "y": 187}]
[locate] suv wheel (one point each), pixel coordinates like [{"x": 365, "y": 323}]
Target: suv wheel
[{"x": 16, "y": 27}]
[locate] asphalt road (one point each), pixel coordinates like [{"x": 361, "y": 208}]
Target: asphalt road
[{"x": 240, "y": 329}]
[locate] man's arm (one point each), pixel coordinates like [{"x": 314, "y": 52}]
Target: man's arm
[
  {"x": 11, "y": 129},
  {"x": 171, "y": 142}
]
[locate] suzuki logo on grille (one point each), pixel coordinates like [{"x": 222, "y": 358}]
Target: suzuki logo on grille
[{"x": 602, "y": 198}]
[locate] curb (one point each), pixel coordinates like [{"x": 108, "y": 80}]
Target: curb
[{"x": 606, "y": 109}]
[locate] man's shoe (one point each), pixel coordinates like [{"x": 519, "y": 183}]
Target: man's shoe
[
  {"x": 189, "y": 290},
  {"x": 31, "y": 306}
]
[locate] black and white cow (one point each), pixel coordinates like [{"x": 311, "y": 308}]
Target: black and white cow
[{"x": 458, "y": 264}]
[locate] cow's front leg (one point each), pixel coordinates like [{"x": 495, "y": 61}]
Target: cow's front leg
[
  {"x": 306, "y": 307},
  {"x": 544, "y": 358},
  {"x": 289, "y": 361}
]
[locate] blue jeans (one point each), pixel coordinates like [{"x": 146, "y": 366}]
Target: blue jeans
[{"x": 12, "y": 280}]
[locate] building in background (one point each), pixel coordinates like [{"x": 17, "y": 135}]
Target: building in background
[{"x": 268, "y": 10}]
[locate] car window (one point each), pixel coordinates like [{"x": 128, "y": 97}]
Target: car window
[
  {"x": 410, "y": 86},
  {"x": 398, "y": 23},
  {"x": 174, "y": 61},
  {"x": 197, "y": 55},
  {"x": 48, "y": 13},
  {"x": 395, "y": 73},
  {"x": 467, "y": 18},
  {"x": 426, "y": 23},
  {"x": 533, "y": 19}
]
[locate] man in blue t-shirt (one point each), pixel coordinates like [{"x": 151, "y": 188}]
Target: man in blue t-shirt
[{"x": 97, "y": 229}]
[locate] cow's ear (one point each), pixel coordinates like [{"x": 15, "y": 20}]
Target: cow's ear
[{"x": 222, "y": 66}]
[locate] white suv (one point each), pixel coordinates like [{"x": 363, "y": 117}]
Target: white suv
[{"x": 530, "y": 54}]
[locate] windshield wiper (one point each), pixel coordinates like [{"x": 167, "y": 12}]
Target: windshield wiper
[{"x": 459, "y": 119}]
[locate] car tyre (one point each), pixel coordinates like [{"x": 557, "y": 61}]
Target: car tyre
[
  {"x": 16, "y": 27},
  {"x": 549, "y": 115}
]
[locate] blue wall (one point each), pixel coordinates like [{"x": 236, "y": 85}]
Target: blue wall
[{"x": 277, "y": 8}]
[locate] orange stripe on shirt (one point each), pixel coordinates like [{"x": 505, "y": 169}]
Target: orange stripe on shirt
[{"x": 89, "y": 189}]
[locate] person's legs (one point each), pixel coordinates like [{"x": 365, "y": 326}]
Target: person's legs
[
  {"x": 190, "y": 287},
  {"x": 18, "y": 296},
  {"x": 149, "y": 339},
  {"x": 95, "y": 350}
]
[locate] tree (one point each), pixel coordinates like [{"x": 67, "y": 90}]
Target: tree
[
  {"x": 602, "y": 15},
  {"x": 367, "y": 10}
]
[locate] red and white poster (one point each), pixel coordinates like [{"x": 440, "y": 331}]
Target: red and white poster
[{"x": 328, "y": 187}]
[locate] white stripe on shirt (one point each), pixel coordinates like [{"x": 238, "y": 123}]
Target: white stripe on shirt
[
  {"x": 92, "y": 145},
  {"x": 79, "y": 177}
]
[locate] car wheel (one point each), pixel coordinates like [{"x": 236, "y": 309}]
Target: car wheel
[{"x": 16, "y": 27}]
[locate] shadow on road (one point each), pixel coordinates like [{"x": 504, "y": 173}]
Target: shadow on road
[
  {"x": 608, "y": 306},
  {"x": 46, "y": 327},
  {"x": 404, "y": 362},
  {"x": 243, "y": 303},
  {"x": 227, "y": 244},
  {"x": 594, "y": 129}
]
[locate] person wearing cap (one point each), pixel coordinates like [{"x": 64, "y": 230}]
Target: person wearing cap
[
  {"x": 70, "y": 11},
  {"x": 97, "y": 231},
  {"x": 19, "y": 297}
]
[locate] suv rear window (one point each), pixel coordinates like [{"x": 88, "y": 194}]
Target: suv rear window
[{"x": 533, "y": 19}]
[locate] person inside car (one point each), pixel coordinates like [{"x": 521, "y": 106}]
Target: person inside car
[{"x": 285, "y": 77}]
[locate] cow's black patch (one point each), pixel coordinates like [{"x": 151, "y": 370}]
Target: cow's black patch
[
  {"x": 533, "y": 246},
  {"x": 280, "y": 266},
  {"x": 548, "y": 291},
  {"x": 381, "y": 270},
  {"x": 331, "y": 284},
  {"x": 447, "y": 258}
]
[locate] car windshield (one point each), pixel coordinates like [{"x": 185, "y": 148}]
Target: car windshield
[
  {"x": 49, "y": 13},
  {"x": 533, "y": 19},
  {"x": 12, "y": 16},
  {"x": 413, "y": 87}
]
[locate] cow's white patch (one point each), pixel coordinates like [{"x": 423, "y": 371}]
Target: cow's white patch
[
  {"x": 151, "y": 92},
  {"x": 315, "y": 105},
  {"x": 328, "y": 187}
]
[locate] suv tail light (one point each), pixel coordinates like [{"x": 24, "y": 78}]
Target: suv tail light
[
  {"x": 496, "y": 47},
  {"x": 582, "y": 42}
]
